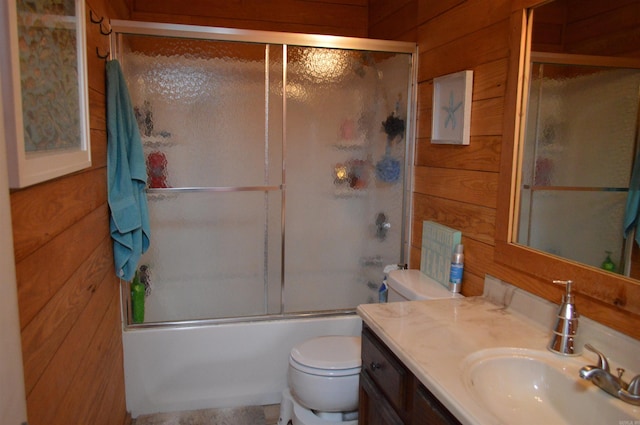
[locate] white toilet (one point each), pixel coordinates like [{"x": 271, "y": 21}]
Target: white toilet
[
  {"x": 324, "y": 371},
  {"x": 323, "y": 382}
]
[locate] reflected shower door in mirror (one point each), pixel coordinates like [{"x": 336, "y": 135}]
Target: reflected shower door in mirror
[
  {"x": 579, "y": 134},
  {"x": 579, "y": 146}
]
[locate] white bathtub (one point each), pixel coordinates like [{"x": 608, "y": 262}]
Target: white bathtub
[{"x": 225, "y": 365}]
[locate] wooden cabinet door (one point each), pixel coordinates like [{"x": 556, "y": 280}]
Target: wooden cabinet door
[
  {"x": 427, "y": 410},
  {"x": 374, "y": 407}
]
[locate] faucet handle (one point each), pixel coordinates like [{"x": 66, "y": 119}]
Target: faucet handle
[
  {"x": 602, "y": 360},
  {"x": 634, "y": 386},
  {"x": 569, "y": 296}
]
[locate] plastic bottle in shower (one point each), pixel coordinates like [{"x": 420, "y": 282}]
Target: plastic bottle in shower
[
  {"x": 457, "y": 267},
  {"x": 137, "y": 299}
]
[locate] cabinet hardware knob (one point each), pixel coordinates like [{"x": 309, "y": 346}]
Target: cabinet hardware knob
[{"x": 375, "y": 366}]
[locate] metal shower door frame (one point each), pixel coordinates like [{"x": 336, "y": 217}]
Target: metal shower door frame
[{"x": 267, "y": 38}]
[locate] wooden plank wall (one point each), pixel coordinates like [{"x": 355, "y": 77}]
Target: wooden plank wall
[
  {"x": 393, "y": 20},
  {"x": 68, "y": 294},
  {"x": 457, "y": 185},
  {"x": 588, "y": 27},
  {"x": 333, "y": 17}
]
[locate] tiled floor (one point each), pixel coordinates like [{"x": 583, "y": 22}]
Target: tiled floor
[{"x": 252, "y": 415}]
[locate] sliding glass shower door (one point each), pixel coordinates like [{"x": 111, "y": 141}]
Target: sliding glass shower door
[{"x": 276, "y": 173}]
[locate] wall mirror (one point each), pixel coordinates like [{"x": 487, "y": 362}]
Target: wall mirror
[
  {"x": 576, "y": 141},
  {"x": 43, "y": 75},
  {"x": 579, "y": 135}
]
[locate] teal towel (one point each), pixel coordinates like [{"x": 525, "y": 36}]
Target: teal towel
[
  {"x": 126, "y": 177},
  {"x": 633, "y": 202}
]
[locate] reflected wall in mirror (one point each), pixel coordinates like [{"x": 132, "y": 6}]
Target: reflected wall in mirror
[{"x": 580, "y": 133}]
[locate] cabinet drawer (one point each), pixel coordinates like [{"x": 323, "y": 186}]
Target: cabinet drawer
[{"x": 385, "y": 370}]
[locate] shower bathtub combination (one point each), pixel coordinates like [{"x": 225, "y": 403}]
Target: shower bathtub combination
[{"x": 278, "y": 190}]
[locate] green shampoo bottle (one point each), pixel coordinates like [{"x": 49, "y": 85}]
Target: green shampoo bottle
[{"x": 137, "y": 299}]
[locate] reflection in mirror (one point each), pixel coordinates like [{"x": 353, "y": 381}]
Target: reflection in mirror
[{"x": 580, "y": 134}]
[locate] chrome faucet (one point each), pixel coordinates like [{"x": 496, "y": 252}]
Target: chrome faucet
[
  {"x": 566, "y": 328},
  {"x": 614, "y": 385}
]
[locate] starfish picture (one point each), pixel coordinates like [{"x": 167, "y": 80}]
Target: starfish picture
[{"x": 451, "y": 112}]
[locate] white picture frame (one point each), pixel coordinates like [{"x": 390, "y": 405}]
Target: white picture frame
[
  {"x": 451, "y": 121},
  {"x": 47, "y": 129}
]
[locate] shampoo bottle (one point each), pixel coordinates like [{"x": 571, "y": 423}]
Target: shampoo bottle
[
  {"x": 457, "y": 267},
  {"x": 137, "y": 299},
  {"x": 383, "y": 291}
]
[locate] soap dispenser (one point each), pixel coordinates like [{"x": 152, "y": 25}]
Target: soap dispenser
[{"x": 566, "y": 328}]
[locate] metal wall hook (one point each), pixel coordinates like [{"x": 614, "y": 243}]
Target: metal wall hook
[
  {"x": 105, "y": 56},
  {"x": 102, "y": 31},
  {"x": 94, "y": 20}
]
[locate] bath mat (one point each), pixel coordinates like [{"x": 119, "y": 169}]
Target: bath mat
[{"x": 252, "y": 415}]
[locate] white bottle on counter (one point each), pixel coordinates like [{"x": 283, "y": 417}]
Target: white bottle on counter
[{"x": 457, "y": 267}]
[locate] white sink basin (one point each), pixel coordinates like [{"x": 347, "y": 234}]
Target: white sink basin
[{"x": 520, "y": 386}]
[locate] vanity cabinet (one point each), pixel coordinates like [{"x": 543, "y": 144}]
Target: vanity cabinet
[
  {"x": 390, "y": 394},
  {"x": 428, "y": 410}
]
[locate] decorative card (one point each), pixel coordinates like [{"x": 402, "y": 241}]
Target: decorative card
[
  {"x": 438, "y": 244},
  {"x": 451, "y": 122}
]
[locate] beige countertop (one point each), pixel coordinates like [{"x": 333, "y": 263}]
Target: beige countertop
[{"x": 434, "y": 339}]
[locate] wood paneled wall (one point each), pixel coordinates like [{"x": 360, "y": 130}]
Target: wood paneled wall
[
  {"x": 457, "y": 185},
  {"x": 588, "y": 27},
  {"x": 68, "y": 293},
  {"x": 393, "y": 20},
  {"x": 332, "y": 17}
]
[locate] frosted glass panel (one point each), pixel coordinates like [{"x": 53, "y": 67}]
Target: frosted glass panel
[
  {"x": 583, "y": 121},
  {"x": 202, "y": 103},
  {"x": 208, "y": 256},
  {"x": 579, "y": 149},
  {"x": 337, "y": 101},
  {"x": 556, "y": 214}
]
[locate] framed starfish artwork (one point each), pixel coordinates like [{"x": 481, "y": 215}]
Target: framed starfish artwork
[{"x": 451, "y": 121}]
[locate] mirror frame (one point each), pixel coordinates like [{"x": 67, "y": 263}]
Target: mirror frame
[{"x": 593, "y": 287}]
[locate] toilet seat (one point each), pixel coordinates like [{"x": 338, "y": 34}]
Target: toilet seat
[
  {"x": 323, "y": 372},
  {"x": 328, "y": 356}
]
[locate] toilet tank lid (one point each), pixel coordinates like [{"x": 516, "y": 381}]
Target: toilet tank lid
[
  {"x": 415, "y": 285},
  {"x": 329, "y": 352}
]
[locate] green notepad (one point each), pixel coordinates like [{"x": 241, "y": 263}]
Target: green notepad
[{"x": 438, "y": 244}]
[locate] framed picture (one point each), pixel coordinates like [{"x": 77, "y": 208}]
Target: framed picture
[
  {"x": 43, "y": 73},
  {"x": 452, "y": 108}
]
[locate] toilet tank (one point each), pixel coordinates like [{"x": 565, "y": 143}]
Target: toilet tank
[{"x": 413, "y": 285}]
